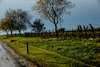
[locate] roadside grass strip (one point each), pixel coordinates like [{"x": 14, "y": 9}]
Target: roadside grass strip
[{"x": 46, "y": 58}]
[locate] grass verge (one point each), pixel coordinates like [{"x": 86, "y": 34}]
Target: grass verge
[{"x": 51, "y": 53}]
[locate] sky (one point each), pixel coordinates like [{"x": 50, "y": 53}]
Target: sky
[{"x": 85, "y": 12}]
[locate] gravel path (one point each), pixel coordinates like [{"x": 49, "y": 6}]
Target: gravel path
[{"x": 6, "y": 59}]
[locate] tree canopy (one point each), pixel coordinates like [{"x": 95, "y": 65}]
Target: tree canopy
[
  {"x": 7, "y": 24},
  {"x": 22, "y": 18},
  {"x": 38, "y": 26}
]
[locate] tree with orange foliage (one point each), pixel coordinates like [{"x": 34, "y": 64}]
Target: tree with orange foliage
[{"x": 7, "y": 24}]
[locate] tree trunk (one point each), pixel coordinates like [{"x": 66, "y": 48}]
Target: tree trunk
[
  {"x": 11, "y": 33},
  {"x": 56, "y": 30},
  {"x": 7, "y": 33},
  {"x": 85, "y": 32},
  {"x": 92, "y": 30},
  {"x": 31, "y": 33},
  {"x": 19, "y": 32}
]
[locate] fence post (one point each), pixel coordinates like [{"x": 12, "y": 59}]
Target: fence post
[{"x": 27, "y": 48}]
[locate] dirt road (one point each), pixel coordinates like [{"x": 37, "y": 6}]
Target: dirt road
[{"x": 6, "y": 59}]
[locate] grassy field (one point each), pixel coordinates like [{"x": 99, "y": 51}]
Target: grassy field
[{"x": 63, "y": 53}]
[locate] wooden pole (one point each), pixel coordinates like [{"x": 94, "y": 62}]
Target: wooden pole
[{"x": 27, "y": 48}]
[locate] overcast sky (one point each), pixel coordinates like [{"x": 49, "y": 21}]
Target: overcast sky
[{"x": 84, "y": 12}]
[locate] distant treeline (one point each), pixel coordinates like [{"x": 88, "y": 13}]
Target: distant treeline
[{"x": 89, "y": 33}]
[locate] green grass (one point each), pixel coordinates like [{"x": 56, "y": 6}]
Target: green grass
[{"x": 52, "y": 53}]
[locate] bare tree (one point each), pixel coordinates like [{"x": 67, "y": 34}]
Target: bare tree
[
  {"x": 80, "y": 30},
  {"x": 92, "y": 30},
  {"x": 53, "y": 10},
  {"x": 85, "y": 29}
]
